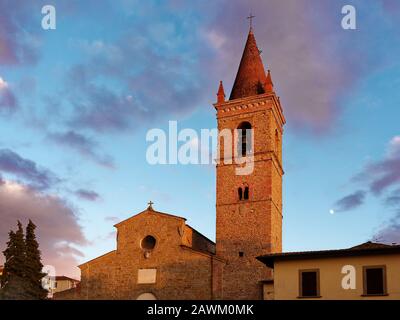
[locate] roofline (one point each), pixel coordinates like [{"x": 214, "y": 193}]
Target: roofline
[
  {"x": 206, "y": 238},
  {"x": 203, "y": 252},
  {"x": 152, "y": 211},
  {"x": 66, "y": 278},
  {"x": 103, "y": 255},
  {"x": 269, "y": 259}
]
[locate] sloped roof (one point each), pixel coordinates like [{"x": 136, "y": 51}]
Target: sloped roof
[
  {"x": 367, "y": 248},
  {"x": 204, "y": 245},
  {"x": 60, "y": 278},
  {"x": 371, "y": 245},
  {"x": 97, "y": 258},
  {"x": 150, "y": 211}
]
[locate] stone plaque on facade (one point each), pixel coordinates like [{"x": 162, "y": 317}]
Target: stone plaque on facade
[{"x": 147, "y": 275}]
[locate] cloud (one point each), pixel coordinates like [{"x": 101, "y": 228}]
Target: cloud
[
  {"x": 103, "y": 110},
  {"x": 389, "y": 232},
  {"x": 393, "y": 199},
  {"x": 88, "y": 195},
  {"x": 392, "y": 7},
  {"x": 152, "y": 81},
  {"x": 8, "y": 101},
  {"x": 146, "y": 72},
  {"x": 113, "y": 220},
  {"x": 18, "y": 46},
  {"x": 381, "y": 178},
  {"x": 394, "y": 148},
  {"x": 143, "y": 73},
  {"x": 82, "y": 144},
  {"x": 314, "y": 62},
  {"x": 13, "y": 163},
  {"x": 351, "y": 201},
  {"x": 382, "y": 174},
  {"x": 59, "y": 233}
]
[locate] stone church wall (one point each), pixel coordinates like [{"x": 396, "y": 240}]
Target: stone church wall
[{"x": 173, "y": 269}]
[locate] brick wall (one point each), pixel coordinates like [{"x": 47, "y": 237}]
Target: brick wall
[{"x": 248, "y": 228}]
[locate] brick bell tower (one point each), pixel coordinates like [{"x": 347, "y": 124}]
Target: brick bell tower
[{"x": 249, "y": 206}]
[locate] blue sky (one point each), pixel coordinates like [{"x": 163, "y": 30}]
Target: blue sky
[{"x": 76, "y": 104}]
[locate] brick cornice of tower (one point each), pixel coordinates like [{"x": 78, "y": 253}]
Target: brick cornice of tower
[{"x": 251, "y": 104}]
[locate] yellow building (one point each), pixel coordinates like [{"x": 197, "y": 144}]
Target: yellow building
[
  {"x": 63, "y": 283},
  {"x": 368, "y": 271}
]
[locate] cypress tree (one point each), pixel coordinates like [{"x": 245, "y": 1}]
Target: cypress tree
[
  {"x": 7, "y": 271},
  {"x": 13, "y": 280},
  {"x": 34, "y": 265}
]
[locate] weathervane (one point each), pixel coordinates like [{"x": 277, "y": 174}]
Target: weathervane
[{"x": 251, "y": 17}]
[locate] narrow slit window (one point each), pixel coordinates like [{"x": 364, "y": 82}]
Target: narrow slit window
[
  {"x": 240, "y": 193},
  {"x": 244, "y": 143},
  {"x": 246, "y": 193}
]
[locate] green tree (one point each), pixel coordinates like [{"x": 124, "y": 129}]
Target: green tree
[
  {"x": 13, "y": 282},
  {"x": 34, "y": 265}
]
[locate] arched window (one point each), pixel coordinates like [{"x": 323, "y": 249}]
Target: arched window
[
  {"x": 240, "y": 193},
  {"x": 246, "y": 193},
  {"x": 244, "y": 135}
]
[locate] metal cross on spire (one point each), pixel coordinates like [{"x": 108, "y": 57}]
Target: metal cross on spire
[
  {"x": 150, "y": 203},
  {"x": 251, "y": 17}
]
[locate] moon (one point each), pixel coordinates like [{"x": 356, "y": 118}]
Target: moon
[{"x": 332, "y": 211}]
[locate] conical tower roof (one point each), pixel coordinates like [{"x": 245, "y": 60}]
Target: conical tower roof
[{"x": 251, "y": 78}]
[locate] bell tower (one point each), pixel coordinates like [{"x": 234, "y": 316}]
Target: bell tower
[{"x": 249, "y": 205}]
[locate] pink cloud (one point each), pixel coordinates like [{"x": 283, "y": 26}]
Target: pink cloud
[
  {"x": 58, "y": 231},
  {"x": 314, "y": 62}
]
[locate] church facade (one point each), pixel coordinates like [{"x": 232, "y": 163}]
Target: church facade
[{"x": 159, "y": 256}]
